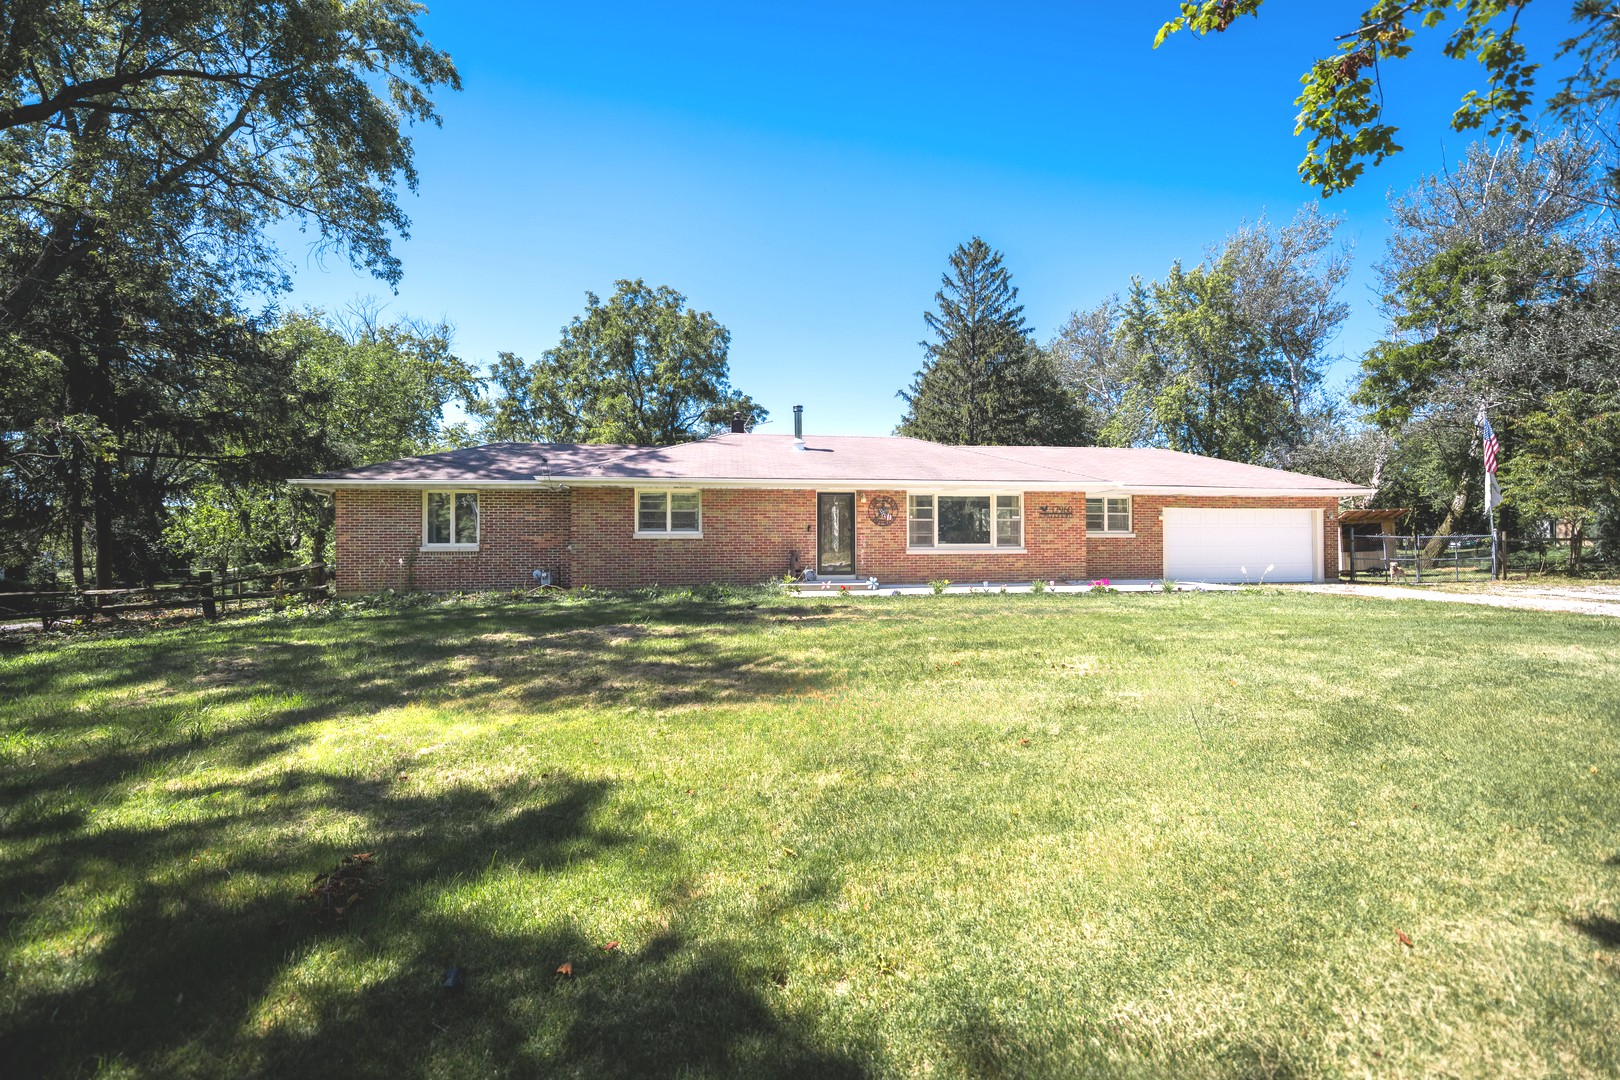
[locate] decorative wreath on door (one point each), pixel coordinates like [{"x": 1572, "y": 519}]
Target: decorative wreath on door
[{"x": 883, "y": 510}]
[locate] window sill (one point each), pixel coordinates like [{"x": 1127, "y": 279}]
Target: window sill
[
  {"x": 1110, "y": 536},
  {"x": 667, "y": 535},
  {"x": 967, "y": 549},
  {"x": 448, "y": 547}
]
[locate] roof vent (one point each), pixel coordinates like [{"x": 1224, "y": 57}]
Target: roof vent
[
  {"x": 798, "y": 427},
  {"x": 739, "y": 424}
]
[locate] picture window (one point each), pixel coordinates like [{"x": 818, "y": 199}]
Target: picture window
[{"x": 943, "y": 521}]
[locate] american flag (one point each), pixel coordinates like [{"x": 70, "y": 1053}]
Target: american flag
[{"x": 1491, "y": 445}]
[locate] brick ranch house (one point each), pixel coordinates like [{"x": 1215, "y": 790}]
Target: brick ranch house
[{"x": 743, "y": 508}]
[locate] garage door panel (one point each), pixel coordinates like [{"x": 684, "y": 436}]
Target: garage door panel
[{"x": 1218, "y": 545}]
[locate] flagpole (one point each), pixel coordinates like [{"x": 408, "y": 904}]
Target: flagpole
[
  {"x": 1494, "y": 563},
  {"x": 1492, "y": 492}
]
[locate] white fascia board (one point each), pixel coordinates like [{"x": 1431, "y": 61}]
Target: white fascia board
[
  {"x": 715, "y": 482},
  {"x": 829, "y": 484},
  {"x": 1262, "y": 493}
]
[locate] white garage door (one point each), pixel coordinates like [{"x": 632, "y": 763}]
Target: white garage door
[{"x": 1217, "y": 545}]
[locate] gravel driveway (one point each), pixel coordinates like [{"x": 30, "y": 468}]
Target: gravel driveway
[{"x": 1580, "y": 599}]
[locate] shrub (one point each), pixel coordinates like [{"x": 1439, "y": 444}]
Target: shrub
[
  {"x": 939, "y": 585},
  {"x": 1037, "y": 587}
]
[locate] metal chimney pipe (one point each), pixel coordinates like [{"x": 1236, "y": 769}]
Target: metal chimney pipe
[{"x": 798, "y": 427}]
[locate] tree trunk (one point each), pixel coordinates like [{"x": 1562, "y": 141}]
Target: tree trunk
[
  {"x": 76, "y": 515},
  {"x": 1459, "y": 503},
  {"x": 102, "y": 407},
  {"x": 101, "y": 497},
  {"x": 1577, "y": 537},
  {"x": 317, "y": 576}
]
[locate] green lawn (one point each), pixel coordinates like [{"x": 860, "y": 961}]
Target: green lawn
[{"x": 1139, "y": 835}]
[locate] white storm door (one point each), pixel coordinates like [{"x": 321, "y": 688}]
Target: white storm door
[{"x": 1217, "y": 545}]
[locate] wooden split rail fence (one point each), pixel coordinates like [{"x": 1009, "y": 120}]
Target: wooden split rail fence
[{"x": 205, "y": 593}]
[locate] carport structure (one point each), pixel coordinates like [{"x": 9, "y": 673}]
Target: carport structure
[{"x": 1367, "y": 540}]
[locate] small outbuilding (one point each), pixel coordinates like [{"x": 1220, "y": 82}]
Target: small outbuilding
[
  {"x": 743, "y": 508},
  {"x": 1367, "y": 540}
]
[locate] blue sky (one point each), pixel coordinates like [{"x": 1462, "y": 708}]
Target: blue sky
[{"x": 804, "y": 173}]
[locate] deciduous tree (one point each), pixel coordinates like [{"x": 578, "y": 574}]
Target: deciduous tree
[
  {"x": 187, "y": 127},
  {"x": 1342, "y": 103},
  {"x": 642, "y": 369}
]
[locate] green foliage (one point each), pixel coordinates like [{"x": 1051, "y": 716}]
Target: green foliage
[
  {"x": 1037, "y": 586},
  {"x": 1258, "y": 314},
  {"x": 188, "y": 127},
  {"x": 145, "y": 150},
  {"x": 984, "y": 381},
  {"x": 1565, "y": 464},
  {"x": 939, "y": 585},
  {"x": 641, "y": 369},
  {"x": 1209, "y": 381},
  {"x": 1342, "y": 103},
  {"x": 382, "y": 389},
  {"x": 386, "y": 384},
  {"x": 1499, "y": 282},
  {"x": 219, "y": 525}
]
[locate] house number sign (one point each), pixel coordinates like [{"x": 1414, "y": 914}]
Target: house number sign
[
  {"x": 1057, "y": 511},
  {"x": 883, "y": 510}
]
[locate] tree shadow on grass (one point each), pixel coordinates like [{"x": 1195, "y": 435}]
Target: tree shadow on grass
[
  {"x": 160, "y": 709},
  {"x": 1600, "y": 928},
  {"x": 542, "y": 659},
  {"x": 191, "y": 977}
]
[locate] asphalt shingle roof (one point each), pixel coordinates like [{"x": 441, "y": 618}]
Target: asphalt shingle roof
[{"x": 829, "y": 459}]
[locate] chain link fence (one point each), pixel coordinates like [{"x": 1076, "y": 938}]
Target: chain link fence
[{"x": 1467, "y": 557}]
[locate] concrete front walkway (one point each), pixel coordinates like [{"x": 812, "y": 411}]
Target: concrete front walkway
[
  {"x": 1529, "y": 600},
  {"x": 822, "y": 588}
]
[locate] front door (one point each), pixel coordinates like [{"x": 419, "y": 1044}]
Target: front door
[{"x": 835, "y": 535}]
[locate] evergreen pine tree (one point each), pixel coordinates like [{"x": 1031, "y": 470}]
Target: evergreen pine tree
[{"x": 985, "y": 382}]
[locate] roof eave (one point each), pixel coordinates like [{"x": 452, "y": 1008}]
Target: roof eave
[
  {"x": 833, "y": 483},
  {"x": 767, "y": 483},
  {"x": 1266, "y": 492}
]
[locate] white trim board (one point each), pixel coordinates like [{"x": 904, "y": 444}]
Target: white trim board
[{"x": 324, "y": 484}]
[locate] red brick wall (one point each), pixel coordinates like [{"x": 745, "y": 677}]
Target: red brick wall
[
  {"x": 586, "y": 537},
  {"x": 379, "y": 541},
  {"x": 1054, "y": 545},
  {"x": 1142, "y": 556},
  {"x": 748, "y": 537}
]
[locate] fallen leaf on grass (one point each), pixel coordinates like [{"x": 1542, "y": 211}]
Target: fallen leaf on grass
[
  {"x": 610, "y": 946},
  {"x": 790, "y": 851},
  {"x": 355, "y": 876},
  {"x": 567, "y": 969},
  {"x": 1023, "y": 742},
  {"x": 1404, "y": 939}
]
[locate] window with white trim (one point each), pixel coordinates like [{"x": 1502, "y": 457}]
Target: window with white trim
[
  {"x": 450, "y": 519},
  {"x": 957, "y": 521},
  {"x": 669, "y": 513},
  {"x": 1108, "y": 515}
]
